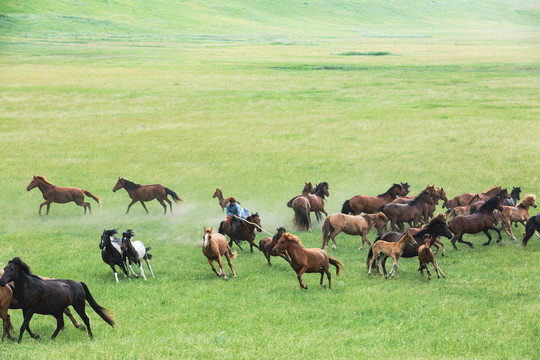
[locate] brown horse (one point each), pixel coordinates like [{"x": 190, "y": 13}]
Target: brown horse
[
  {"x": 302, "y": 208},
  {"x": 214, "y": 247},
  {"x": 247, "y": 230},
  {"x": 58, "y": 194},
  {"x": 426, "y": 256},
  {"x": 462, "y": 210},
  {"x": 390, "y": 249},
  {"x": 482, "y": 220},
  {"x": 267, "y": 244},
  {"x": 429, "y": 207},
  {"x": 306, "y": 260},
  {"x": 352, "y": 225},
  {"x": 465, "y": 198},
  {"x": 6, "y": 295},
  {"x": 316, "y": 200},
  {"x": 372, "y": 204},
  {"x": 519, "y": 213},
  {"x": 222, "y": 201},
  {"x": 144, "y": 193},
  {"x": 410, "y": 212}
]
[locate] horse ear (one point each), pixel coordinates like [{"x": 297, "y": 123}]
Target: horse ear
[{"x": 211, "y": 229}]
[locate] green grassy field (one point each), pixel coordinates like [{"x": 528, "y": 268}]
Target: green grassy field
[{"x": 256, "y": 99}]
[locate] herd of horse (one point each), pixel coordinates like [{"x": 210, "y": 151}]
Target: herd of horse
[{"x": 467, "y": 213}]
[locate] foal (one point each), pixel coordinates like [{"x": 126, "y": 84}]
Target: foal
[
  {"x": 134, "y": 252},
  {"x": 392, "y": 249},
  {"x": 426, "y": 256}
]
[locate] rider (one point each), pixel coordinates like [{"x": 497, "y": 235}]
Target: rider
[{"x": 234, "y": 212}]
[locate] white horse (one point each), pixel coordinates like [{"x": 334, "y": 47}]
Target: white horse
[{"x": 135, "y": 251}]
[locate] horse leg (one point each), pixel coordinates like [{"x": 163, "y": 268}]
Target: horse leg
[
  {"x": 164, "y": 206},
  {"x": 221, "y": 268},
  {"x": 252, "y": 244},
  {"x": 114, "y": 271},
  {"x": 286, "y": 258},
  {"x": 79, "y": 308},
  {"x": 75, "y": 323},
  {"x": 149, "y": 267},
  {"x": 48, "y": 203},
  {"x": 499, "y": 233},
  {"x": 27, "y": 317},
  {"x": 7, "y": 325},
  {"x": 229, "y": 262},
  {"x": 396, "y": 265},
  {"x": 133, "y": 272},
  {"x": 299, "y": 276},
  {"x": 488, "y": 236},
  {"x": 438, "y": 269},
  {"x": 364, "y": 239},
  {"x": 329, "y": 276},
  {"x": 59, "y": 324},
  {"x": 144, "y": 206},
  {"x": 141, "y": 270},
  {"x": 213, "y": 268},
  {"x": 130, "y": 205},
  {"x": 383, "y": 264}
]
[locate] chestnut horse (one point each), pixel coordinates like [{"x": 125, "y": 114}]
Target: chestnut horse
[
  {"x": 482, "y": 220},
  {"x": 222, "y": 201},
  {"x": 352, "y": 225},
  {"x": 302, "y": 208},
  {"x": 390, "y": 249},
  {"x": 144, "y": 193},
  {"x": 516, "y": 214},
  {"x": 6, "y": 295},
  {"x": 58, "y": 194},
  {"x": 465, "y": 198},
  {"x": 372, "y": 204},
  {"x": 214, "y": 247},
  {"x": 306, "y": 260}
]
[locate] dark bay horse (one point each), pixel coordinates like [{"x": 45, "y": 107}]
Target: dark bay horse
[
  {"x": 435, "y": 228},
  {"x": 532, "y": 225},
  {"x": 267, "y": 244},
  {"x": 372, "y": 204},
  {"x": 247, "y": 230},
  {"x": 49, "y": 297},
  {"x": 465, "y": 198},
  {"x": 306, "y": 260},
  {"x": 142, "y": 193},
  {"x": 482, "y": 220},
  {"x": 412, "y": 211},
  {"x": 316, "y": 199},
  {"x": 214, "y": 247},
  {"x": 58, "y": 194},
  {"x": 302, "y": 208}
]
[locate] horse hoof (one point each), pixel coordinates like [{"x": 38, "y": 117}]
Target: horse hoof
[
  {"x": 334, "y": 247},
  {"x": 226, "y": 278},
  {"x": 442, "y": 254},
  {"x": 485, "y": 244},
  {"x": 323, "y": 286}
]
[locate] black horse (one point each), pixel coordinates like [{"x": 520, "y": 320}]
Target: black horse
[
  {"x": 246, "y": 231},
  {"x": 49, "y": 297},
  {"x": 514, "y": 197},
  {"x": 111, "y": 252},
  {"x": 532, "y": 225},
  {"x": 436, "y": 227}
]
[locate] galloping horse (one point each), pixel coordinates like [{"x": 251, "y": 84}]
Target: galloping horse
[
  {"x": 222, "y": 201},
  {"x": 351, "y": 225},
  {"x": 516, "y": 214},
  {"x": 306, "y": 260},
  {"x": 372, "y": 204},
  {"x": 58, "y": 194},
  {"x": 316, "y": 200},
  {"x": 214, "y": 247},
  {"x": 267, "y": 244},
  {"x": 302, "y": 208},
  {"x": 465, "y": 198},
  {"x": 111, "y": 252},
  {"x": 246, "y": 230},
  {"x": 6, "y": 295},
  {"x": 390, "y": 249},
  {"x": 144, "y": 193},
  {"x": 482, "y": 220},
  {"x": 532, "y": 226},
  {"x": 514, "y": 197},
  {"x": 49, "y": 297},
  {"x": 410, "y": 212},
  {"x": 135, "y": 251}
]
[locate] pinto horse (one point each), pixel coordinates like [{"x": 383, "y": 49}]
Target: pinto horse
[
  {"x": 134, "y": 252},
  {"x": 302, "y": 208},
  {"x": 111, "y": 252},
  {"x": 142, "y": 193},
  {"x": 49, "y": 297},
  {"x": 214, "y": 247},
  {"x": 435, "y": 228},
  {"x": 372, "y": 204},
  {"x": 351, "y": 225},
  {"x": 482, "y": 220},
  {"x": 306, "y": 260},
  {"x": 58, "y": 194},
  {"x": 222, "y": 201},
  {"x": 247, "y": 230}
]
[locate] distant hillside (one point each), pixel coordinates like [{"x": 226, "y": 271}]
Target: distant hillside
[{"x": 237, "y": 19}]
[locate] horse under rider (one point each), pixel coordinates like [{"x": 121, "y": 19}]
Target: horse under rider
[{"x": 235, "y": 213}]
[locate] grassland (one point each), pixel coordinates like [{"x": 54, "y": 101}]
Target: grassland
[{"x": 195, "y": 97}]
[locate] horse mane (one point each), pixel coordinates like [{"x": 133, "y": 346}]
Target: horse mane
[
  {"x": 42, "y": 178},
  {"x": 492, "y": 189},
  {"x": 130, "y": 185},
  {"x": 390, "y": 191},
  {"x": 526, "y": 198},
  {"x": 490, "y": 204},
  {"x": 293, "y": 238},
  {"x": 128, "y": 233},
  {"x": 23, "y": 266},
  {"x": 418, "y": 197},
  {"x": 111, "y": 232},
  {"x": 319, "y": 189}
]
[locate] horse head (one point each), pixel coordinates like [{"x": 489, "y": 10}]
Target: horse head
[
  {"x": 33, "y": 183},
  {"x": 217, "y": 193},
  {"x": 515, "y": 193},
  {"x": 119, "y": 184},
  {"x": 257, "y": 220},
  {"x": 207, "y": 236},
  {"x": 398, "y": 190},
  {"x": 282, "y": 242},
  {"x": 439, "y": 227},
  {"x": 529, "y": 200},
  {"x": 405, "y": 187},
  {"x": 280, "y": 232},
  {"x": 442, "y": 195},
  {"x": 106, "y": 237},
  {"x": 407, "y": 238},
  {"x": 13, "y": 270},
  {"x": 126, "y": 239}
]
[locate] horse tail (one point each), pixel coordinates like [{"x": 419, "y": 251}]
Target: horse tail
[
  {"x": 149, "y": 256},
  {"x": 100, "y": 310},
  {"x": 346, "y": 208},
  {"x": 326, "y": 230},
  {"x": 289, "y": 204},
  {"x": 175, "y": 197},
  {"x": 231, "y": 253},
  {"x": 221, "y": 230},
  {"x": 301, "y": 216},
  {"x": 336, "y": 263},
  {"x": 88, "y": 193},
  {"x": 530, "y": 228}
]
